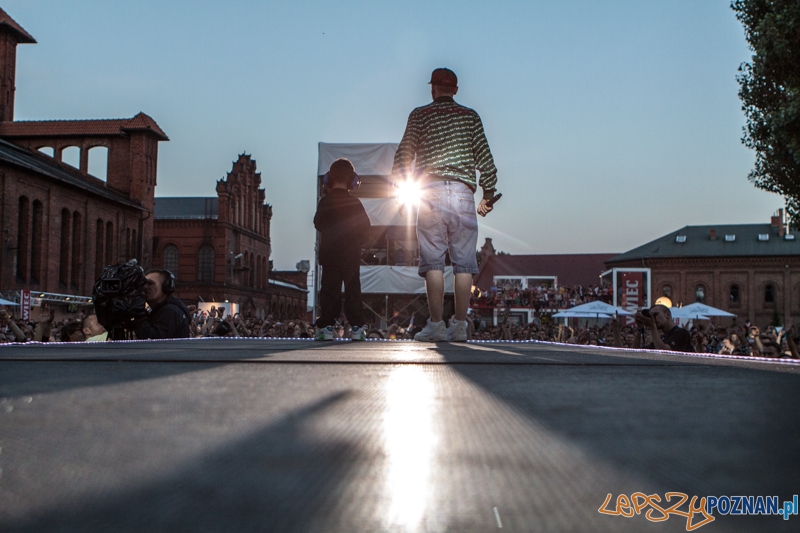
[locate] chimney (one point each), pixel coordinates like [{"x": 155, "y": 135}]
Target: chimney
[
  {"x": 781, "y": 222},
  {"x": 713, "y": 234}
]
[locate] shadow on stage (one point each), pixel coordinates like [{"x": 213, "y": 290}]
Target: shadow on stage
[
  {"x": 695, "y": 428},
  {"x": 28, "y": 369},
  {"x": 276, "y": 479}
]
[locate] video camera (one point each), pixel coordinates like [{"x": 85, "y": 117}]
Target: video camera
[{"x": 118, "y": 298}]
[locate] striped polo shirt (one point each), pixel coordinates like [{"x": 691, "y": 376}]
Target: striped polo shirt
[{"x": 449, "y": 144}]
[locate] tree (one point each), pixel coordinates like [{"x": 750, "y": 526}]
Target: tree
[{"x": 770, "y": 94}]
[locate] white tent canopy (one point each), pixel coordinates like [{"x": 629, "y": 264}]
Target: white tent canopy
[
  {"x": 698, "y": 310},
  {"x": 598, "y": 307},
  {"x": 398, "y": 280},
  {"x": 569, "y": 313},
  {"x": 369, "y": 159}
]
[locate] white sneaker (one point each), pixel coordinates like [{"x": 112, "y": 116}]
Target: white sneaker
[
  {"x": 432, "y": 332},
  {"x": 324, "y": 334},
  {"x": 358, "y": 334},
  {"x": 457, "y": 332}
]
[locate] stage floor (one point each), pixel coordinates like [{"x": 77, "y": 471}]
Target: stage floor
[{"x": 284, "y": 435}]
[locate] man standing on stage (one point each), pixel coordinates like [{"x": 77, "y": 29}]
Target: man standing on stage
[{"x": 449, "y": 145}]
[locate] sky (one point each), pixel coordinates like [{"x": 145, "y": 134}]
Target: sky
[{"x": 611, "y": 123}]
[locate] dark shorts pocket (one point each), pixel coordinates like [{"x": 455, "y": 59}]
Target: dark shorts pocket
[{"x": 429, "y": 214}]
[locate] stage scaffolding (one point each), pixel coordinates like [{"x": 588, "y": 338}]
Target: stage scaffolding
[{"x": 392, "y": 291}]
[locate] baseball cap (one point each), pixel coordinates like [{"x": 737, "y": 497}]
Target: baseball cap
[{"x": 444, "y": 77}]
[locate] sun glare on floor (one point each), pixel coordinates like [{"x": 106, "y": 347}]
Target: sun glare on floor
[{"x": 410, "y": 443}]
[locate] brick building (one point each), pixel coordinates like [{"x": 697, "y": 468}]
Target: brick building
[
  {"x": 219, "y": 248},
  {"x": 60, "y": 224},
  {"x": 570, "y": 270},
  {"x": 751, "y": 270}
]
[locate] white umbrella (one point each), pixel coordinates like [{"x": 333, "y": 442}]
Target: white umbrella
[
  {"x": 3, "y": 301},
  {"x": 598, "y": 307},
  {"x": 569, "y": 313},
  {"x": 698, "y": 310}
]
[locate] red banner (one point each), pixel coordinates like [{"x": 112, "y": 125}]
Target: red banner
[
  {"x": 25, "y": 305},
  {"x": 631, "y": 289}
]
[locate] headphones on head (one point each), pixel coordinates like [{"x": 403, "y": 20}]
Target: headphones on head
[
  {"x": 355, "y": 183},
  {"x": 168, "y": 285}
]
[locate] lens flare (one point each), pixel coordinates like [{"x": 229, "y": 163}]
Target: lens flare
[{"x": 408, "y": 192}]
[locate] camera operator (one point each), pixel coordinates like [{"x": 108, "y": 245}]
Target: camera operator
[
  {"x": 665, "y": 333},
  {"x": 168, "y": 318}
]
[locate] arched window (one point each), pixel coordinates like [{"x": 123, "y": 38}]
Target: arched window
[
  {"x": 77, "y": 249},
  {"x": 66, "y": 231},
  {"x": 734, "y": 296},
  {"x": 98, "y": 162},
  {"x": 666, "y": 290},
  {"x": 23, "y": 238},
  {"x": 205, "y": 263},
  {"x": 169, "y": 259},
  {"x": 100, "y": 247},
  {"x": 769, "y": 294},
  {"x": 110, "y": 243},
  {"x": 71, "y": 155},
  {"x": 48, "y": 150},
  {"x": 135, "y": 246},
  {"x": 252, "y": 271},
  {"x": 37, "y": 235},
  {"x": 700, "y": 294}
]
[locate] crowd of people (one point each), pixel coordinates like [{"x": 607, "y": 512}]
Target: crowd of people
[
  {"x": 747, "y": 339},
  {"x": 706, "y": 337},
  {"x": 541, "y": 296}
]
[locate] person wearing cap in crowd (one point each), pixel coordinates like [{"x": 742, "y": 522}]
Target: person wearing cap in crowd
[
  {"x": 449, "y": 145},
  {"x": 342, "y": 223}
]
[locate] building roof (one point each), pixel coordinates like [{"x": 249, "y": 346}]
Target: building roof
[
  {"x": 732, "y": 240},
  {"x": 9, "y": 24},
  {"x": 171, "y": 208},
  {"x": 47, "y": 166},
  {"x": 62, "y": 128},
  {"x": 571, "y": 269}
]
